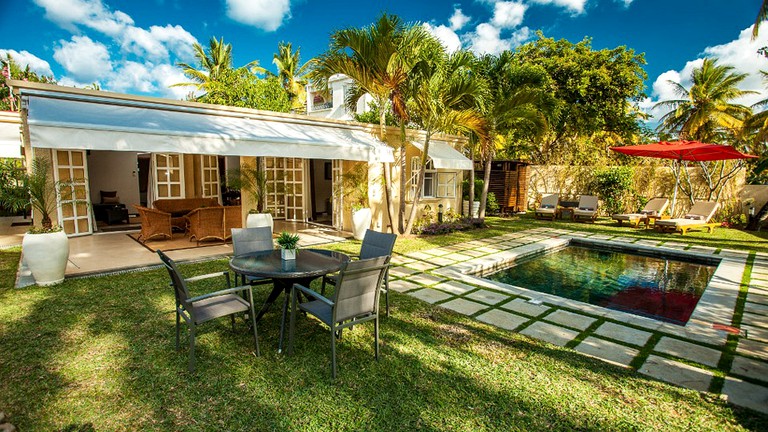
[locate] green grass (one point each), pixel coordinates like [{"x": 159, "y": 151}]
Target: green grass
[{"x": 98, "y": 354}]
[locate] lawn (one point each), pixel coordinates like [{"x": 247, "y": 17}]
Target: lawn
[{"x": 97, "y": 354}]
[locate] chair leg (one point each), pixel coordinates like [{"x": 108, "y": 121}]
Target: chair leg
[
  {"x": 376, "y": 335},
  {"x": 322, "y": 288},
  {"x": 178, "y": 329},
  {"x": 386, "y": 294},
  {"x": 232, "y": 320},
  {"x": 192, "y": 348},
  {"x": 333, "y": 354},
  {"x": 253, "y": 323},
  {"x": 292, "y": 322}
]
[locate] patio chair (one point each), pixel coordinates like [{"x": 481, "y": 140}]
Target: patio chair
[
  {"x": 548, "y": 207},
  {"x": 154, "y": 223},
  {"x": 206, "y": 223},
  {"x": 245, "y": 240},
  {"x": 233, "y": 218},
  {"x": 355, "y": 301},
  {"x": 697, "y": 217},
  {"x": 207, "y": 307},
  {"x": 654, "y": 207},
  {"x": 587, "y": 209},
  {"x": 375, "y": 244}
]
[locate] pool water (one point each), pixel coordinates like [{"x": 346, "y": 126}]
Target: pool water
[{"x": 659, "y": 288}]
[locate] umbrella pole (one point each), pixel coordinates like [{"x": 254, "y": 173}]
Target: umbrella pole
[{"x": 674, "y": 192}]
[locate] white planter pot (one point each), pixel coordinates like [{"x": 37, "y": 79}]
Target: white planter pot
[
  {"x": 260, "y": 220},
  {"x": 288, "y": 254},
  {"x": 475, "y": 208},
  {"x": 361, "y": 221},
  {"x": 46, "y": 256}
]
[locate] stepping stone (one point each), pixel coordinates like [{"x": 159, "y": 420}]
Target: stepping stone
[
  {"x": 402, "y": 286},
  {"x": 437, "y": 252},
  {"x": 425, "y": 279},
  {"x": 523, "y": 307},
  {"x": 485, "y": 296},
  {"x": 676, "y": 373},
  {"x": 464, "y": 307},
  {"x": 755, "y": 308},
  {"x": 550, "y": 333},
  {"x": 756, "y": 333},
  {"x": 454, "y": 287},
  {"x": 688, "y": 351},
  {"x": 488, "y": 249},
  {"x": 441, "y": 261},
  {"x": 401, "y": 271},
  {"x": 458, "y": 257},
  {"x": 758, "y": 298},
  {"x": 624, "y": 239},
  {"x": 702, "y": 249},
  {"x": 753, "y": 348},
  {"x": 746, "y": 394},
  {"x": 473, "y": 253},
  {"x": 505, "y": 320},
  {"x": 422, "y": 266},
  {"x": 749, "y": 368},
  {"x": 570, "y": 319},
  {"x": 400, "y": 259},
  {"x": 623, "y": 333},
  {"x": 755, "y": 320},
  {"x": 609, "y": 351},
  {"x": 430, "y": 295},
  {"x": 419, "y": 255}
]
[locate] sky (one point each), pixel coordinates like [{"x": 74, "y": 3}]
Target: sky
[{"x": 133, "y": 46}]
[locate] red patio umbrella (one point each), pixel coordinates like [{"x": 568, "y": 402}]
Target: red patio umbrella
[{"x": 683, "y": 151}]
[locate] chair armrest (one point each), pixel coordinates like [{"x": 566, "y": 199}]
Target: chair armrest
[
  {"x": 209, "y": 276},
  {"x": 220, "y": 293},
  {"x": 312, "y": 293}
]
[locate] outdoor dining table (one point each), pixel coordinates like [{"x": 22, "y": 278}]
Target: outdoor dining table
[{"x": 309, "y": 265}]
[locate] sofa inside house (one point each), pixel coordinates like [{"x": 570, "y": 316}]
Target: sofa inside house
[{"x": 178, "y": 208}]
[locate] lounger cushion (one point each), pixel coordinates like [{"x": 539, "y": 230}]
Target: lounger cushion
[
  {"x": 547, "y": 206},
  {"x": 694, "y": 217},
  {"x": 586, "y": 208},
  {"x": 648, "y": 212}
]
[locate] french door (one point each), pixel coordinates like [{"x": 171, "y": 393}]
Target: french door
[
  {"x": 209, "y": 166},
  {"x": 286, "y": 188},
  {"x": 169, "y": 175},
  {"x": 337, "y": 194},
  {"x": 74, "y": 200}
]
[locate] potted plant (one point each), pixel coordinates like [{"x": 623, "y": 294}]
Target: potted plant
[
  {"x": 45, "y": 247},
  {"x": 253, "y": 181},
  {"x": 356, "y": 183},
  {"x": 289, "y": 244}
]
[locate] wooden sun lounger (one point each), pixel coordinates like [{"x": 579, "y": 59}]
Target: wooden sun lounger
[{"x": 704, "y": 209}]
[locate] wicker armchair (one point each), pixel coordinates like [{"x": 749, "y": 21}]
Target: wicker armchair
[
  {"x": 233, "y": 218},
  {"x": 206, "y": 223},
  {"x": 154, "y": 223}
]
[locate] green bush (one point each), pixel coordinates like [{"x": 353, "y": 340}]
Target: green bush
[{"x": 614, "y": 186}]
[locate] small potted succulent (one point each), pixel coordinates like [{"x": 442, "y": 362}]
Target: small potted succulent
[{"x": 289, "y": 245}]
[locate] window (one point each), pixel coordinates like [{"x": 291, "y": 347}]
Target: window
[{"x": 436, "y": 184}]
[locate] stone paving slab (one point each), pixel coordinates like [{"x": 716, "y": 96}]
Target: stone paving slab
[
  {"x": 464, "y": 307},
  {"x": 402, "y": 286},
  {"x": 550, "y": 333},
  {"x": 750, "y": 368},
  {"x": 755, "y": 308},
  {"x": 757, "y": 333},
  {"x": 505, "y": 320},
  {"x": 422, "y": 266},
  {"x": 648, "y": 242},
  {"x": 676, "y": 373},
  {"x": 454, "y": 287},
  {"x": 753, "y": 348},
  {"x": 400, "y": 259},
  {"x": 429, "y": 295},
  {"x": 746, "y": 394},
  {"x": 624, "y": 239},
  {"x": 755, "y": 320},
  {"x": 473, "y": 253},
  {"x": 437, "y": 252},
  {"x": 570, "y": 319},
  {"x": 756, "y": 297},
  {"x": 486, "y": 296},
  {"x": 688, "y": 351},
  {"x": 419, "y": 255},
  {"x": 441, "y": 261},
  {"x": 488, "y": 249},
  {"x": 609, "y": 351},
  {"x": 523, "y": 307},
  {"x": 401, "y": 271},
  {"x": 623, "y": 333},
  {"x": 734, "y": 253},
  {"x": 702, "y": 249},
  {"x": 426, "y": 279},
  {"x": 458, "y": 257}
]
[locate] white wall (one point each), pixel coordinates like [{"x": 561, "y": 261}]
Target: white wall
[{"x": 112, "y": 170}]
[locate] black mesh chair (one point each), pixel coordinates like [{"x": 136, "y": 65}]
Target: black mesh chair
[
  {"x": 355, "y": 301},
  {"x": 204, "y": 308},
  {"x": 246, "y": 240},
  {"x": 375, "y": 244}
]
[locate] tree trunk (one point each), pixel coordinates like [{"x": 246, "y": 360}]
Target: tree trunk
[
  {"x": 387, "y": 174},
  {"x": 403, "y": 178},
  {"x": 419, "y": 185},
  {"x": 486, "y": 184},
  {"x": 471, "y": 195}
]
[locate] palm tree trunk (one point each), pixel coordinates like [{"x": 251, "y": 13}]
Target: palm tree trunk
[
  {"x": 486, "y": 184},
  {"x": 471, "y": 195},
  {"x": 387, "y": 174},
  {"x": 403, "y": 165}
]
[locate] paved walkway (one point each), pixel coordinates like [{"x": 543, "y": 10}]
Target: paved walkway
[{"x": 694, "y": 356}]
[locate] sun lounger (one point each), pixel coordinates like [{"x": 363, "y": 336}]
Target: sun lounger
[
  {"x": 697, "y": 217},
  {"x": 654, "y": 207},
  {"x": 548, "y": 207},
  {"x": 587, "y": 209}
]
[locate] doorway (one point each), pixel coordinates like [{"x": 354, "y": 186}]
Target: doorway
[{"x": 321, "y": 173}]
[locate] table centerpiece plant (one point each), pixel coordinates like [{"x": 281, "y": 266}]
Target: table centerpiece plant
[{"x": 289, "y": 245}]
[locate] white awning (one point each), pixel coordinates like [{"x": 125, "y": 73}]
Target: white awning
[
  {"x": 10, "y": 135},
  {"x": 98, "y": 123},
  {"x": 444, "y": 156}
]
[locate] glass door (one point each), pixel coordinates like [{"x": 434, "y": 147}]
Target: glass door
[
  {"x": 169, "y": 175},
  {"x": 209, "y": 165},
  {"x": 70, "y": 170}
]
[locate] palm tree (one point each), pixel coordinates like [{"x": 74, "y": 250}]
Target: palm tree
[
  {"x": 444, "y": 99},
  {"x": 291, "y": 73},
  {"x": 706, "y": 109},
  {"x": 379, "y": 59},
  {"x": 213, "y": 64},
  {"x": 762, "y": 15}
]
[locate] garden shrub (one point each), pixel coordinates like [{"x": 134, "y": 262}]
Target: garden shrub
[
  {"x": 614, "y": 186},
  {"x": 463, "y": 224}
]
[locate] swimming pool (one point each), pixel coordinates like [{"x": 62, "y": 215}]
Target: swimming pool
[{"x": 662, "y": 288}]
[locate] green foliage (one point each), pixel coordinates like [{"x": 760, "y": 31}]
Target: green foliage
[
  {"x": 492, "y": 206},
  {"x": 14, "y": 196},
  {"x": 287, "y": 240},
  {"x": 355, "y": 186},
  {"x": 249, "y": 179},
  {"x": 13, "y": 70},
  {"x": 241, "y": 88},
  {"x": 465, "y": 189},
  {"x": 614, "y": 185},
  {"x": 372, "y": 116}
]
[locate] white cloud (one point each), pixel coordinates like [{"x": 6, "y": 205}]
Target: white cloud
[
  {"x": 575, "y": 6},
  {"x": 70, "y": 14},
  {"x": 167, "y": 75},
  {"x": 85, "y": 59},
  {"x": 267, "y": 15},
  {"x": 445, "y": 35},
  {"x": 626, "y": 3},
  {"x": 486, "y": 39},
  {"x": 508, "y": 14},
  {"x": 25, "y": 58},
  {"x": 458, "y": 19}
]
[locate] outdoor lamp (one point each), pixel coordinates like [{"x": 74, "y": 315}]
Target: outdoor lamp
[{"x": 439, "y": 213}]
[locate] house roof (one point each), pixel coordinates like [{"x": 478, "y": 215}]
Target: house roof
[
  {"x": 62, "y": 117},
  {"x": 444, "y": 156}
]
